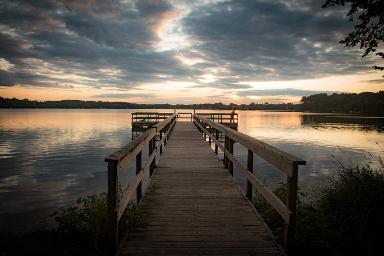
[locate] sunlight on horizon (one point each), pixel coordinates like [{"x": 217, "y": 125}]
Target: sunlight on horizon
[{"x": 176, "y": 91}]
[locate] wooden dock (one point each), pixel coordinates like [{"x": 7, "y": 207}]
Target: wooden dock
[
  {"x": 193, "y": 207},
  {"x": 141, "y": 121}
]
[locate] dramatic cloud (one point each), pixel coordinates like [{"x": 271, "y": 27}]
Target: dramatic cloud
[
  {"x": 209, "y": 46},
  {"x": 269, "y": 40}
]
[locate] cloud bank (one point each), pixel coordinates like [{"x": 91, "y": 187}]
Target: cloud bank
[{"x": 211, "y": 44}]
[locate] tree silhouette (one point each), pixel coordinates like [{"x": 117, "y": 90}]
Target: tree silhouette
[{"x": 370, "y": 30}]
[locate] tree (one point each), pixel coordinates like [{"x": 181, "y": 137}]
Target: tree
[{"x": 370, "y": 31}]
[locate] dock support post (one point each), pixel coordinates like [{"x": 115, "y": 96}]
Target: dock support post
[
  {"x": 289, "y": 229},
  {"x": 138, "y": 168},
  {"x": 250, "y": 169},
  {"x": 112, "y": 206}
]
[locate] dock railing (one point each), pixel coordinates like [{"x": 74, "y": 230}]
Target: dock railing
[
  {"x": 184, "y": 116},
  {"x": 119, "y": 160},
  {"x": 286, "y": 163},
  {"x": 141, "y": 121},
  {"x": 150, "y": 116},
  {"x": 220, "y": 117}
]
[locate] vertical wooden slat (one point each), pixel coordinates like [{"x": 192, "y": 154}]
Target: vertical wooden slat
[
  {"x": 138, "y": 168},
  {"x": 112, "y": 206},
  {"x": 289, "y": 229},
  {"x": 250, "y": 169}
]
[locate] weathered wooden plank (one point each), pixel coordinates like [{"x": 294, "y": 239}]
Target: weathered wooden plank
[{"x": 193, "y": 206}]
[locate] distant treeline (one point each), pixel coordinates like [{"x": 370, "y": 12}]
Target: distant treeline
[
  {"x": 25, "y": 103},
  {"x": 367, "y": 103}
]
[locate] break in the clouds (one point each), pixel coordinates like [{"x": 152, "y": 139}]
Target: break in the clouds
[{"x": 171, "y": 51}]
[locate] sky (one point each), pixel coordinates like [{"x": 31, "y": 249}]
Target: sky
[{"x": 178, "y": 51}]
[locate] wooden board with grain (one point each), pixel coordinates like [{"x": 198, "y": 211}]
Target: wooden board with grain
[{"x": 193, "y": 206}]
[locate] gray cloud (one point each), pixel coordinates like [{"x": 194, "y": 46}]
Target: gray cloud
[
  {"x": 278, "y": 92},
  {"x": 122, "y": 95},
  {"x": 81, "y": 37},
  {"x": 376, "y": 81},
  {"x": 281, "y": 41},
  {"x": 6, "y": 78}
]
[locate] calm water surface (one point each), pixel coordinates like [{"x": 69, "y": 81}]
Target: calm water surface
[{"x": 48, "y": 158}]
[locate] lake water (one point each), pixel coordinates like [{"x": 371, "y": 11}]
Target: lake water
[{"x": 50, "y": 157}]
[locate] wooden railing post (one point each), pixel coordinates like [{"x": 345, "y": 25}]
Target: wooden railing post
[
  {"x": 289, "y": 229},
  {"x": 138, "y": 168},
  {"x": 217, "y": 138},
  {"x": 231, "y": 142},
  {"x": 151, "y": 148},
  {"x": 112, "y": 206},
  {"x": 250, "y": 169},
  {"x": 166, "y": 138},
  {"x": 205, "y": 135},
  {"x": 161, "y": 145},
  {"x": 226, "y": 146},
  {"x": 209, "y": 137}
]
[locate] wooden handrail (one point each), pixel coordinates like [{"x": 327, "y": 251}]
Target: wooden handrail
[
  {"x": 284, "y": 161},
  {"x": 280, "y": 159},
  {"x": 161, "y": 125},
  {"x": 120, "y": 159},
  {"x": 153, "y": 113}
]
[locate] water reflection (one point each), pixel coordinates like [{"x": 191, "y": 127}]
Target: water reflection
[
  {"x": 49, "y": 158},
  {"x": 320, "y": 139}
]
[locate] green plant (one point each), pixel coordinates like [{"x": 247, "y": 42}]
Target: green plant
[
  {"x": 346, "y": 218},
  {"x": 353, "y": 209},
  {"x": 89, "y": 218}
]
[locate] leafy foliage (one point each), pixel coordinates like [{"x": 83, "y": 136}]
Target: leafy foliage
[
  {"x": 89, "y": 219},
  {"x": 353, "y": 208},
  {"x": 370, "y": 31},
  {"x": 345, "y": 219}
]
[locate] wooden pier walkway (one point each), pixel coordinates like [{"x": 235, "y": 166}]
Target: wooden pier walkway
[{"x": 193, "y": 206}]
